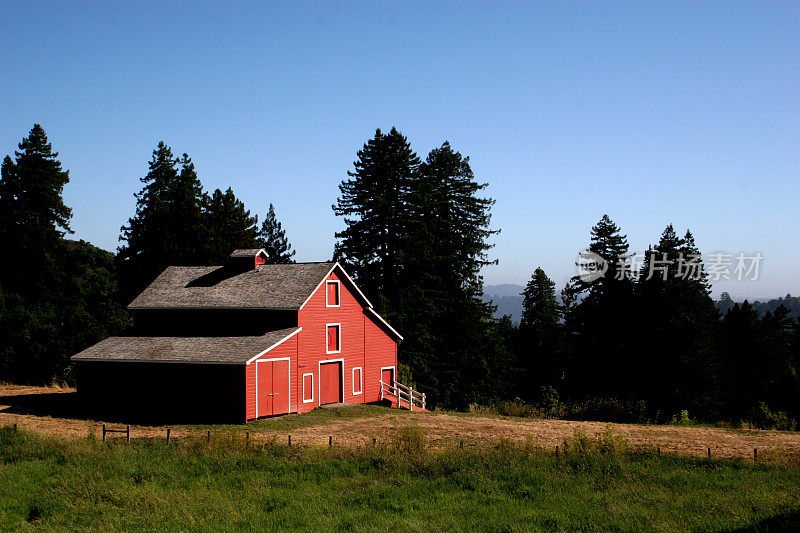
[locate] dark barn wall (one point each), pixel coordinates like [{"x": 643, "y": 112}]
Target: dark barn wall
[{"x": 142, "y": 392}]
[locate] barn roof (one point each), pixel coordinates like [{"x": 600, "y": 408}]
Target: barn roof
[
  {"x": 265, "y": 287},
  {"x": 235, "y": 350}
]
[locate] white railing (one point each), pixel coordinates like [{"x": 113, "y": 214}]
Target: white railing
[{"x": 403, "y": 394}]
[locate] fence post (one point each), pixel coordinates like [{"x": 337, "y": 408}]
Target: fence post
[
  {"x": 755, "y": 455},
  {"x": 247, "y": 439},
  {"x": 709, "y": 453},
  {"x": 557, "y": 452},
  {"x": 374, "y": 440},
  {"x": 208, "y": 437},
  {"x": 104, "y": 432},
  {"x": 410, "y": 398},
  {"x": 423, "y": 400},
  {"x": 168, "y": 435},
  {"x": 290, "y": 440},
  {"x": 658, "y": 451},
  {"x": 330, "y": 441},
  {"x": 128, "y": 433}
]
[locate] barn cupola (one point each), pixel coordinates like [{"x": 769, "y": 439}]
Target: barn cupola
[{"x": 247, "y": 259}]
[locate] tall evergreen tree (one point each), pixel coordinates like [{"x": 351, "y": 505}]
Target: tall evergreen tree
[
  {"x": 676, "y": 324},
  {"x": 373, "y": 203},
  {"x": 540, "y": 331},
  {"x": 33, "y": 216},
  {"x": 272, "y": 238},
  {"x": 56, "y": 296},
  {"x": 228, "y": 226},
  {"x": 167, "y": 227},
  {"x": 602, "y": 351},
  {"x": 442, "y": 251}
]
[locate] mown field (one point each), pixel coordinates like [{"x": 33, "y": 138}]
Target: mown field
[{"x": 227, "y": 484}]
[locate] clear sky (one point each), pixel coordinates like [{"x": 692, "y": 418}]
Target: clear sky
[{"x": 652, "y": 112}]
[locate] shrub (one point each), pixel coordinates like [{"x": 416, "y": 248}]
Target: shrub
[
  {"x": 763, "y": 418},
  {"x": 681, "y": 419}
]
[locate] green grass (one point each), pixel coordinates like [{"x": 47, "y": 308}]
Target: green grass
[
  {"x": 86, "y": 484},
  {"x": 318, "y": 417}
]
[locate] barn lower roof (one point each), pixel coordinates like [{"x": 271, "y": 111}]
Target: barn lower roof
[{"x": 227, "y": 350}]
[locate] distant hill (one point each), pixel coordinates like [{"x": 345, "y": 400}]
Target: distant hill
[
  {"x": 792, "y": 303},
  {"x": 508, "y": 300}
]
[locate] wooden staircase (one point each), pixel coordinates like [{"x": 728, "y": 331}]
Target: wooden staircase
[{"x": 403, "y": 397}]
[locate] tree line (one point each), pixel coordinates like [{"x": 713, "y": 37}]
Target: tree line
[{"x": 417, "y": 234}]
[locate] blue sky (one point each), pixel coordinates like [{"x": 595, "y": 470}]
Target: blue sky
[{"x": 651, "y": 112}]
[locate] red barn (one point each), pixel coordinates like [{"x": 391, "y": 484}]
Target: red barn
[{"x": 243, "y": 341}]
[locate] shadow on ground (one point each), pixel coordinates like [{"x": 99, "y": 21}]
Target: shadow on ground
[
  {"x": 70, "y": 405},
  {"x": 789, "y": 521}
]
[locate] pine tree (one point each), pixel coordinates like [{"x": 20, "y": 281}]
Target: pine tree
[
  {"x": 33, "y": 216},
  {"x": 272, "y": 238},
  {"x": 167, "y": 228},
  {"x": 676, "y": 322},
  {"x": 540, "y": 332},
  {"x": 373, "y": 203},
  {"x": 602, "y": 350},
  {"x": 56, "y": 296},
  {"x": 442, "y": 251},
  {"x": 539, "y": 307},
  {"x": 228, "y": 226}
]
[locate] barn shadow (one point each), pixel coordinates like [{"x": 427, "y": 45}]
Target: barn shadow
[
  {"x": 789, "y": 521},
  {"x": 71, "y": 405}
]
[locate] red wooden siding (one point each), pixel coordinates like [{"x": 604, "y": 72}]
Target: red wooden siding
[
  {"x": 359, "y": 342},
  {"x": 287, "y": 349}
]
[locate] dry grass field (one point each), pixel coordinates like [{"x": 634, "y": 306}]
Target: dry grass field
[{"x": 49, "y": 410}]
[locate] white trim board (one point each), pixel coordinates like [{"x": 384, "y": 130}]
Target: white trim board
[
  {"x": 319, "y": 371},
  {"x": 286, "y": 338},
  {"x": 360, "y": 380},
  {"x": 325, "y": 278},
  {"x": 379, "y": 317},
  {"x": 303, "y": 381}
]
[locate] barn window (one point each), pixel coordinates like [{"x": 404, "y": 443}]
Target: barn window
[
  {"x": 358, "y": 383},
  {"x": 332, "y": 294},
  {"x": 308, "y": 388},
  {"x": 334, "y": 341}
]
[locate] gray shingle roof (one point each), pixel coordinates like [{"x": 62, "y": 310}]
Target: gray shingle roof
[
  {"x": 183, "y": 349},
  {"x": 246, "y": 252},
  {"x": 265, "y": 287}
]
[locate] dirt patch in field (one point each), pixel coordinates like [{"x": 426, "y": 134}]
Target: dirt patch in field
[{"x": 441, "y": 429}]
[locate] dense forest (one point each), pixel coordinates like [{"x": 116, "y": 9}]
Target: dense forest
[{"x": 625, "y": 345}]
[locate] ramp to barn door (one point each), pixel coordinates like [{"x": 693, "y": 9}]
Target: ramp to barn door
[{"x": 402, "y": 396}]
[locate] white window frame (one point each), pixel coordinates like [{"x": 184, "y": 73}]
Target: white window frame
[
  {"x": 327, "y": 348},
  {"x": 304, "y": 387},
  {"x": 289, "y": 359},
  {"x": 360, "y": 380},
  {"x": 338, "y": 292},
  {"x": 319, "y": 370}
]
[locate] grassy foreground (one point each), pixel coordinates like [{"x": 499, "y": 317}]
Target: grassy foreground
[{"x": 190, "y": 485}]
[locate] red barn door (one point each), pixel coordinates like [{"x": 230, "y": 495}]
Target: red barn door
[
  {"x": 330, "y": 383},
  {"x": 387, "y": 376},
  {"x": 272, "y": 387}
]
